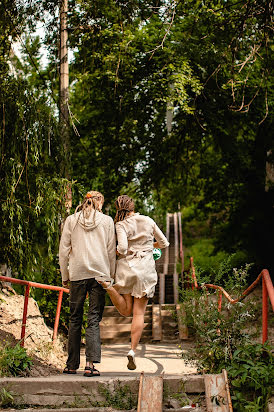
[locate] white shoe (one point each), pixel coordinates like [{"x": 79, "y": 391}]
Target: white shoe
[{"x": 131, "y": 360}]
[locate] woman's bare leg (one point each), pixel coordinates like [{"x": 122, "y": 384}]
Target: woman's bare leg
[
  {"x": 123, "y": 303},
  {"x": 137, "y": 325}
]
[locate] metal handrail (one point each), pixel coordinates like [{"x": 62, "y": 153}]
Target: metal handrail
[
  {"x": 268, "y": 291},
  {"x": 28, "y": 285}
]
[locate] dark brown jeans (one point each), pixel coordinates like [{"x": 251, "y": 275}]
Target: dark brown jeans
[{"x": 78, "y": 292}]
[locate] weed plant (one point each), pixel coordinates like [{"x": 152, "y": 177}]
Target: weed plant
[
  {"x": 227, "y": 339},
  {"x": 120, "y": 398},
  {"x": 6, "y": 398},
  {"x": 14, "y": 361}
]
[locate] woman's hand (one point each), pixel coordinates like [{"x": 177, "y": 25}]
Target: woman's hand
[{"x": 156, "y": 245}]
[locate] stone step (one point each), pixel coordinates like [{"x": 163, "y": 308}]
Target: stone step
[{"x": 77, "y": 391}]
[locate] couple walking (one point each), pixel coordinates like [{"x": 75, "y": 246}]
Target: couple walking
[{"x": 87, "y": 256}]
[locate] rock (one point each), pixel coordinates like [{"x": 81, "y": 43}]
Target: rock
[{"x": 38, "y": 338}]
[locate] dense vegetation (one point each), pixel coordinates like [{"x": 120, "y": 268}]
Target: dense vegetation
[
  {"x": 230, "y": 338},
  {"x": 172, "y": 101}
]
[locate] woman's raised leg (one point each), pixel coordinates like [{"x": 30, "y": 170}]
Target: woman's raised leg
[{"x": 123, "y": 303}]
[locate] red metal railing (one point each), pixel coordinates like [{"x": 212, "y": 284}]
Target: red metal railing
[
  {"x": 28, "y": 285},
  {"x": 267, "y": 292}
]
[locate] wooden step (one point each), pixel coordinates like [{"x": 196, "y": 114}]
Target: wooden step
[
  {"x": 113, "y": 320},
  {"x": 108, "y": 333},
  {"x": 124, "y": 328},
  {"x": 112, "y": 311}
]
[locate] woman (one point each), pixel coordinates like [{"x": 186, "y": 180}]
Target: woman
[
  {"x": 135, "y": 275},
  {"x": 88, "y": 245}
]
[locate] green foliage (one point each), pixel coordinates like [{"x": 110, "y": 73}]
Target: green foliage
[
  {"x": 6, "y": 398},
  {"x": 206, "y": 260},
  {"x": 119, "y": 398},
  {"x": 217, "y": 267},
  {"x": 14, "y": 361},
  {"x": 251, "y": 374},
  {"x": 217, "y": 335}
]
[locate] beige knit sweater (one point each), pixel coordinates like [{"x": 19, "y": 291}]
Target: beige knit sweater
[{"x": 87, "y": 247}]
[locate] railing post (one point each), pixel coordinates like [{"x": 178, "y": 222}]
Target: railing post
[
  {"x": 25, "y": 310},
  {"x": 220, "y": 298},
  {"x": 57, "y": 316},
  {"x": 192, "y": 273},
  {"x": 265, "y": 312}
]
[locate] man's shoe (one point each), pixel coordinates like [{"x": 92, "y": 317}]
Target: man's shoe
[
  {"x": 69, "y": 371},
  {"x": 131, "y": 360}
]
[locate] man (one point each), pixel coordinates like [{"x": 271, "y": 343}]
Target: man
[{"x": 87, "y": 251}]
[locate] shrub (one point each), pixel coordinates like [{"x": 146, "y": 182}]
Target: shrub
[
  {"x": 251, "y": 373},
  {"x": 14, "y": 361},
  {"x": 226, "y": 340}
]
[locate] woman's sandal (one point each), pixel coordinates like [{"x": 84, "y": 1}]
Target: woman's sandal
[
  {"x": 69, "y": 371},
  {"x": 89, "y": 372}
]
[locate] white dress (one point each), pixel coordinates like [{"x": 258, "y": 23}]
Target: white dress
[{"x": 135, "y": 267}]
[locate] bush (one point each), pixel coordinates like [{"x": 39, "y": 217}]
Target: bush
[
  {"x": 251, "y": 373},
  {"x": 213, "y": 266},
  {"x": 225, "y": 340},
  {"x": 217, "y": 334},
  {"x": 14, "y": 361}
]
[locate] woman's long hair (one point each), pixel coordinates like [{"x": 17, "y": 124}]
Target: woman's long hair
[{"x": 124, "y": 206}]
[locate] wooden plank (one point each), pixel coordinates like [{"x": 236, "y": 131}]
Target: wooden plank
[
  {"x": 183, "y": 329},
  {"x": 156, "y": 322},
  {"x": 224, "y": 372},
  {"x": 150, "y": 398},
  {"x": 216, "y": 392}
]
